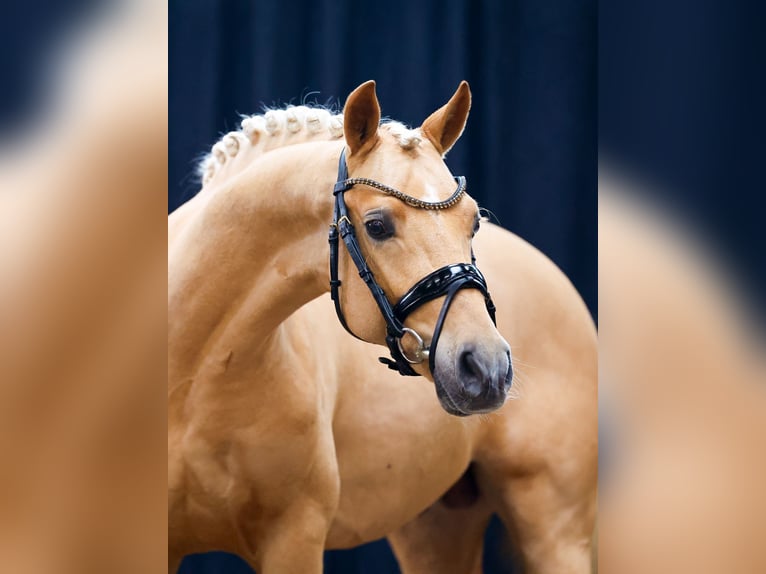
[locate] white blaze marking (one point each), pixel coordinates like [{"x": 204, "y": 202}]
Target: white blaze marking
[{"x": 430, "y": 194}]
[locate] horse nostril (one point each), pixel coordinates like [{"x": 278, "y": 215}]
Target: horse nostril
[
  {"x": 509, "y": 374},
  {"x": 468, "y": 365},
  {"x": 473, "y": 374}
]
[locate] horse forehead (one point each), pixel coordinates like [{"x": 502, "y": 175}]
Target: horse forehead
[
  {"x": 419, "y": 172},
  {"x": 446, "y": 225},
  {"x": 431, "y": 193},
  {"x": 426, "y": 180}
]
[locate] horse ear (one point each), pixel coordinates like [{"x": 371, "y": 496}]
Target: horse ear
[
  {"x": 445, "y": 125},
  {"x": 361, "y": 117}
]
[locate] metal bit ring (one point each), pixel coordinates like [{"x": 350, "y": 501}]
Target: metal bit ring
[{"x": 421, "y": 353}]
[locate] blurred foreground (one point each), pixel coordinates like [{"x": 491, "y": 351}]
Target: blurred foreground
[
  {"x": 682, "y": 400},
  {"x": 83, "y": 307}
]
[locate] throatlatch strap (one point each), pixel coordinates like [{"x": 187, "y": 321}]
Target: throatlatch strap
[{"x": 335, "y": 282}]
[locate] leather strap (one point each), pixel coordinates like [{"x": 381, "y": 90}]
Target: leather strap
[{"x": 438, "y": 284}]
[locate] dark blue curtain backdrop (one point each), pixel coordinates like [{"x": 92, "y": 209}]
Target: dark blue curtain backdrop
[
  {"x": 529, "y": 150},
  {"x": 30, "y": 33}
]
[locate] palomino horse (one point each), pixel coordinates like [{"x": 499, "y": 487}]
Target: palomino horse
[{"x": 287, "y": 437}]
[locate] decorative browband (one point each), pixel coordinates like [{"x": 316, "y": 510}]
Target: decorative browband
[{"x": 408, "y": 199}]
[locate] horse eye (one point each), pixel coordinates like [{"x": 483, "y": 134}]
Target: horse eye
[
  {"x": 476, "y": 226},
  {"x": 377, "y": 229}
]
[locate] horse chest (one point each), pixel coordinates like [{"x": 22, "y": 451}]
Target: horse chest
[{"x": 396, "y": 455}]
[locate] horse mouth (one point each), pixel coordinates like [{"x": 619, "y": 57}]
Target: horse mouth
[
  {"x": 493, "y": 395},
  {"x": 451, "y": 405},
  {"x": 448, "y": 403}
]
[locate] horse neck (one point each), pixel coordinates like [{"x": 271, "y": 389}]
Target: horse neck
[{"x": 255, "y": 251}]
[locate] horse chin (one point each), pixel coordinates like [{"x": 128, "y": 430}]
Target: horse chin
[{"x": 447, "y": 403}]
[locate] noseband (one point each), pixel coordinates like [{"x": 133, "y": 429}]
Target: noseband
[{"x": 445, "y": 281}]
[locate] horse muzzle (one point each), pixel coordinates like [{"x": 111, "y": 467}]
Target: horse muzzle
[{"x": 473, "y": 380}]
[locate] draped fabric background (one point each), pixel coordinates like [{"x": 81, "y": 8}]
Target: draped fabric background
[{"x": 529, "y": 149}]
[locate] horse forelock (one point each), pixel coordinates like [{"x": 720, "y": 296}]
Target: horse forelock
[
  {"x": 406, "y": 137},
  {"x": 280, "y": 127}
]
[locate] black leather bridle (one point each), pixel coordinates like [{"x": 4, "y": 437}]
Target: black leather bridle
[{"x": 445, "y": 281}]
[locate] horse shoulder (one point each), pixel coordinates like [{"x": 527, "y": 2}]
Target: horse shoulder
[{"x": 551, "y": 421}]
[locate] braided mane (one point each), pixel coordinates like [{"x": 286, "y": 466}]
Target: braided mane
[{"x": 282, "y": 127}]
